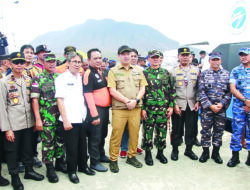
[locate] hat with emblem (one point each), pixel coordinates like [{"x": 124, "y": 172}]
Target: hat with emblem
[
  {"x": 244, "y": 50},
  {"x": 17, "y": 57},
  {"x": 184, "y": 50},
  {"x": 69, "y": 49},
  {"x": 154, "y": 53},
  {"x": 49, "y": 56},
  {"x": 42, "y": 48},
  {"x": 123, "y": 49},
  {"x": 215, "y": 55}
]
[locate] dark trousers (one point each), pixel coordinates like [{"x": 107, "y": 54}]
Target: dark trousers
[
  {"x": 2, "y": 154},
  {"x": 189, "y": 118},
  {"x": 76, "y": 146},
  {"x": 195, "y": 130},
  {"x": 97, "y": 135},
  {"x": 22, "y": 144}
]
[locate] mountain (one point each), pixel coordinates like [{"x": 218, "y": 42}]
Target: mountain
[{"x": 107, "y": 35}]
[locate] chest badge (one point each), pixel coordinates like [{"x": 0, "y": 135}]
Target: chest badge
[{"x": 15, "y": 100}]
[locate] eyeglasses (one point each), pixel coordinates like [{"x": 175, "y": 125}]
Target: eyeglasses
[
  {"x": 51, "y": 61},
  {"x": 17, "y": 63},
  {"x": 75, "y": 62}
]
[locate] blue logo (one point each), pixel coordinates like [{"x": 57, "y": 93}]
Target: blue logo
[{"x": 239, "y": 18}]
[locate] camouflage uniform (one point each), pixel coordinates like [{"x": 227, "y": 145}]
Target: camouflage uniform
[
  {"x": 43, "y": 88},
  {"x": 213, "y": 88},
  {"x": 241, "y": 77},
  {"x": 159, "y": 96}
]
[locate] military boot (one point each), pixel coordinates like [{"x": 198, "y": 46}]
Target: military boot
[
  {"x": 148, "y": 158},
  {"x": 234, "y": 160},
  {"x": 61, "y": 165},
  {"x": 51, "y": 173},
  {"x": 216, "y": 155},
  {"x": 205, "y": 155},
  {"x": 248, "y": 159},
  {"x": 160, "y": 156},
  {"x": 16, "y": 182},
  {"x": 31, "y": 174}
]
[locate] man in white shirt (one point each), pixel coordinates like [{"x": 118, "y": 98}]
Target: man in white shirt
[{"x": 73, "y": 111}]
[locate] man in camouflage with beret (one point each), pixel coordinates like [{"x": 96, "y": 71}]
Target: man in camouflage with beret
[
  {"x": 215, "y": 97},
  {"x": 46, "y": 114},
  {"x": 157, "y": 108}
]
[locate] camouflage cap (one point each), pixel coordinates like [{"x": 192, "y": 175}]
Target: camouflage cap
[
  {"x": 153, "y": 53},
  {"x": 215, "y": 55},
  {"x": 49, "y": 56},
  {"x": 69, "y": 49},
  {"x": 244, "y": 50}
]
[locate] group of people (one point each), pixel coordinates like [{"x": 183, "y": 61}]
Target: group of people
[{"x": 70, "y": 110}]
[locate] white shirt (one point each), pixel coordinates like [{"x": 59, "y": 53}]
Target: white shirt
[
  {"x": 69, "y": 87},
  {"x": 205, "y": 64}
]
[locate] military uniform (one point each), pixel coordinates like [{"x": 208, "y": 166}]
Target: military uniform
[
  {"x": 240, "y": 76},
  {"x": 159, "y": 96},
  {"x": 213, "y": 88},
  {"x": 43, "y": 88}
]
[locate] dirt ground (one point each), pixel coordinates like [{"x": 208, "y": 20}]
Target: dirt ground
[{"x": 183, "y": 174}]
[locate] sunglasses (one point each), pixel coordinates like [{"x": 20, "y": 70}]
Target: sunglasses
[{"x": 17, "y": 63}]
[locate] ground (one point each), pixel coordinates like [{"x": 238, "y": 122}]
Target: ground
[{"x": 184, "y": 174}]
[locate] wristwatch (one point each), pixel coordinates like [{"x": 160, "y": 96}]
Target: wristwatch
[
  {"x": 137, "y": 101},
  {"x": 244, "y": 100}
]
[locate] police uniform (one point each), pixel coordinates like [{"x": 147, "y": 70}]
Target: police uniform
[
  {"x": 17, "y": 116},
  {"x": 186, "y": 85},
  {"x": 213, "y": 88},
  {"x": 98, "y": 100}
]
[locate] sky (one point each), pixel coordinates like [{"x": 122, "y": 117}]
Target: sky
[{"x": 181, "y": 20}]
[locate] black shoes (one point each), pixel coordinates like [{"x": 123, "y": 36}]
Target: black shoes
[
  {"x": 205, "y": 155},
  {"x": 234, "y": 160},
  {"x": 31, "y": 174},
  {"x": 16, "y": 182},
  {"x": 87, "y": 171},
  {"x": 3, "y": 181},
  {"x": 51, "y": 173},
  {"x": 248, "y": 159},
  {"x": 160, "y": 156},
  {"x": 148, "y": 158},
  {"x": 114, "y": 166},
  {"x": 174, "y": 155},
  {"x": 191, "y": 155},
  {"x": 216, "y": 155},
  {"x": 61, "y": 165},
  {"x": 73, "y": 178}
]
